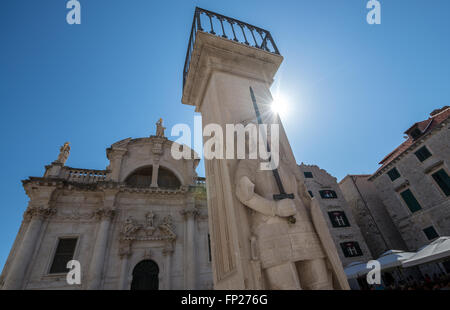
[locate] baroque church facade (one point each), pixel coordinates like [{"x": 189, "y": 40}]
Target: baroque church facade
[{"x": 140, "y": 224}]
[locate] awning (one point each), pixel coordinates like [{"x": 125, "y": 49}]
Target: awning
[
  {"x": 388, "y": 260},
  {"x": 393, "y": 258},
  {"x": 435, "y": 251},
  {"x": 355, "y": 270}
]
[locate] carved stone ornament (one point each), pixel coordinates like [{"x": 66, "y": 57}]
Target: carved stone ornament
[
  {"x": 38, "y": 212},
  {"x": 147, "y": 230},
  {"x": 190, "y": 212}
]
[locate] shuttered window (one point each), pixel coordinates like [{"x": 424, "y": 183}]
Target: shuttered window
[
  {"x": 393, "y": 174},
  {"x": 351, "y": 249},
  {"x": 64, "y": 253},
  {"x": 431, "y": 233},
  {"x": 338, "y": 219},
  {"x": 423, "y": 153},
  {"x": 410, "y": 201},
  {"x": 327, "y": 194},
  {"x": 442, "y": 179}
]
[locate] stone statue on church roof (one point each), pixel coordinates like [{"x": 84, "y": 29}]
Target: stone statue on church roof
[
  {"x": 64, "y": 153},
  {"x": 160, "y": 128}
]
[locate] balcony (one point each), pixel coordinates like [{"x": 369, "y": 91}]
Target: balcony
[{"x": 230, "y": 29}]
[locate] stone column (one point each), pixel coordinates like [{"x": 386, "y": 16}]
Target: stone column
[
  {"x": 20, "y": 262},
  {"x": 98, "y": 257},
  {"x": 124, "y": 253},
  {"x": 155, "y": 170},
  {"x": 190, "y": 214}
]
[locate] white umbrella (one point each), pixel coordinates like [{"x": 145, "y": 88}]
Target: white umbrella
[
  {"x": 436, "y": 250},
  {"x": 389, "y": 259},
  {"x": 356, "y": 269},
  {"x": 393, "y": 258}
]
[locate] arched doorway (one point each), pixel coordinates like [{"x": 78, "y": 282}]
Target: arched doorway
[{"x": 145, "y": 276}]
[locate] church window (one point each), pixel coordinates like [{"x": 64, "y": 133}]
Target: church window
[
  {"x": 64, "y": 253},
  {"x": 308, "y": 175}
]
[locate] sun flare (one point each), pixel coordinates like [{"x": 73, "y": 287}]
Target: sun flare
[{"x": 280, "y": 105}]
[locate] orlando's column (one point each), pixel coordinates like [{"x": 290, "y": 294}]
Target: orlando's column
[{"x": 222, "y": 64}]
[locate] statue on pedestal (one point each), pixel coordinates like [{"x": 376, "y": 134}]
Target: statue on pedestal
[
  {"x": 292, "y": 254},
  {"x": 64, "y": 153},
  {"x": 160, "y": 128}
]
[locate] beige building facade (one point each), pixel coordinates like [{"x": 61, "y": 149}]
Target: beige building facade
[
  {"x": 141, "y": 223},
  {"x": 413, "y": 181},
  {"x": 344, "y": 229},
  {"x": 405, "y": 204},
  {"x": 375, "y": 223}
]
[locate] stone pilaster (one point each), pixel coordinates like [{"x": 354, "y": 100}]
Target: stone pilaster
[
  {"x": 189, "y": 214},
  {"x": 105, "y": 216},
  {"x": 167, "y": 253},
  {"x": 35, "y": 216},
  {"x": 124, "y": 253}
]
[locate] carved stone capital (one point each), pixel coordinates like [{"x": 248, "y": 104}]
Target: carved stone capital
[
  {"x": 190, "y": 212},
  {"x": 38, "y": 212},
  {"x": 105, "y": 214}
]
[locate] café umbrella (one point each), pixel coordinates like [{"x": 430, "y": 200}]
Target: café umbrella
[{"x": 434, "y": 252}]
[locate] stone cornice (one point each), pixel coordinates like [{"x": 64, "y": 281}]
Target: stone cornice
[
  {"x": 408, "y": 150},
  {"x": 105, "y": 185}
]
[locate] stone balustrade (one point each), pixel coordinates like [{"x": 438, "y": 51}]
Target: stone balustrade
[{"x": 86, "y": 176}]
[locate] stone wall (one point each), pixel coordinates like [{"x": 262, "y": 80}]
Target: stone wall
[
  {"x": 416, "y": 176},
  {"x": 322, "y": 180}
]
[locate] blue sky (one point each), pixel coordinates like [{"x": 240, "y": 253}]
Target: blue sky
[{"x": 353, "y": 88}]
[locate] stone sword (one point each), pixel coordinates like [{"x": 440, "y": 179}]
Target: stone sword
[{"x": 282, "y": 195}]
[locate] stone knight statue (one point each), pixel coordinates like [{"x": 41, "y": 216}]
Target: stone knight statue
[
  {"x": 64, "y": 153},
  {"x": 160, "y": 128},
  {"x": 292, "y": 254}
]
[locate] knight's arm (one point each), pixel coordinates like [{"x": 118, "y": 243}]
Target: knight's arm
[{"x": 245, "y": 192}]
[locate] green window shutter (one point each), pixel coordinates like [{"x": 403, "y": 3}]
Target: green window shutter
[
  {"x": 411, "y": 201},
  {"x": 442, "y": 179},
  {"x": 393, "y": 174},
  {"x": 423, "y": 153},
  {"x": 431, "y": 233}
]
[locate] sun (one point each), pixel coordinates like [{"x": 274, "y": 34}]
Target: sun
[{"x": 279, "y": 104}]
